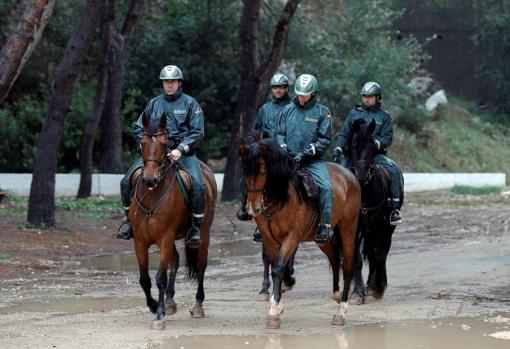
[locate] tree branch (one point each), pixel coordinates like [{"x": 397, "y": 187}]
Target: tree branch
[
  {"x": 280, "y": 38},
  {"x": 22, "y": 42}
]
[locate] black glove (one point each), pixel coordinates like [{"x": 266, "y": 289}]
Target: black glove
[
  {"x": 298, "y": 158},
  {"x": 337, "y": 155}
]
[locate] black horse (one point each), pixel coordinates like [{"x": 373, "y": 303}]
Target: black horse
[{"x": 374, "y": 229}]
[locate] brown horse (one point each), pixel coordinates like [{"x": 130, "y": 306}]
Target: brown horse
[
  {"x": 159, "y": 215},
  {"x": 285, "y": 217}
]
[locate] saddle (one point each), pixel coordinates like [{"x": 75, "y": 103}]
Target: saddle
[{"x": 308, "y": 183}]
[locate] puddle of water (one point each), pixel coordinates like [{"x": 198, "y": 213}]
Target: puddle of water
[
  {"x": 75, "y": 305},
  {"x": 457, "y": 333},
  {"x": 218, "y": 254}
]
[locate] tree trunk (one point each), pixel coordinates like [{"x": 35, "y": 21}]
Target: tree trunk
[
  {"x": 87, "y": 145},
  {"x": 251, "y": 77},
  {"x": 41, "y": 211},
  {"x": 111, "y": 121},
  {"x": 22, "y": 42}
]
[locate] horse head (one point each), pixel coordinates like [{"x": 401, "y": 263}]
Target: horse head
[
  {"x": 154, "y": 147},
  {"x": 364, "y": 150},
  {"x": 267, "y": 170}
]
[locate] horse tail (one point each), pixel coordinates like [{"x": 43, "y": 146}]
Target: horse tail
[{"x": 192, "y": 263}]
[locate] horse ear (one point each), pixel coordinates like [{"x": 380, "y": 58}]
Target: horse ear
[
  {"x": 371, "y": 127},
  {"x": 145, "y": 120},
  {"x": 162, "y": 121}
]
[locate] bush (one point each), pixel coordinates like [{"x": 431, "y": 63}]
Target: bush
[
  {"x": 352, "y": 46},
  {"x": 468, "y": 190}
]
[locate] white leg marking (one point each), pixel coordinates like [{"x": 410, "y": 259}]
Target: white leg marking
[
  {"x": 342, "y": 309},
  {"x": 276, "y": 308}
]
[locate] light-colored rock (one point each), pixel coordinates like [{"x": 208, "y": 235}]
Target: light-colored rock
[{"x": 438, "y": 98}]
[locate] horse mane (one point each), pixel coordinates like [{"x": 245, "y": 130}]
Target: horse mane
[
  {"x": 279, "y": 168},
  {"x": 154, "y": 123},
  {"x": 360, "y": 132}
]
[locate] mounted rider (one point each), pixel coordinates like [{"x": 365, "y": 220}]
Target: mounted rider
[
  {"x": 383, "y": 134},
  {"x": 185, "y": 125},
  {"x": 305, "y": 133},
  {"x": 267, "y": 120}
]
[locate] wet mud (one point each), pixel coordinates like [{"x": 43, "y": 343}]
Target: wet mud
[{"x": 448, "y": 287}]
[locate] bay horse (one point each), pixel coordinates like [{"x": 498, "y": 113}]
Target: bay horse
[
  {"x": 286, "y": 218},
  {"x": 159, "y": 215},
  {"x": 374, "y": 228}
]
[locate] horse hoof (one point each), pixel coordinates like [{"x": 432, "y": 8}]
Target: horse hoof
[
  {"x": 197, "y": 312},
  {"x": 263, "y": 296},
  {"x": 356, "y": 299},
  {"x": 374, "y": 293},
  {"x": 336, "y": 296},
  {"x": 158, "y": 325},
  {"x": 273, "y": 321},
  {"x": 170, "y": 308},
  {"x": 338, "y": 320}
]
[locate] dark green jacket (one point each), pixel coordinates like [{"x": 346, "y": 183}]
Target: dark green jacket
[
  {"x": 304, "y": 127},
  {"x": 268, "y": 116},
  {"x": 383, "y": 130},
  {"x": 185, "y": 120}
]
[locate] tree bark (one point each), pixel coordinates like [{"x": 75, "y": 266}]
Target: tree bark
[
  {"x": 41, "y": 211},
  {"x": 111, "y": 120},
  {"x": 251, "y": 77},
  {"x": 87, "y": 145},
  {"x": 21, "y": 43}
]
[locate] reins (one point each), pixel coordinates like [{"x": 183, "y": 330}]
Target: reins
[{"x": 148, "y": 212}]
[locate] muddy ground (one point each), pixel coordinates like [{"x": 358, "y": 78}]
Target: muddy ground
[{"x": 77, "y": 286}]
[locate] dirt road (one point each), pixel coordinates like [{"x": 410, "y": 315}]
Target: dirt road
[{"x": 448, "y": 274}]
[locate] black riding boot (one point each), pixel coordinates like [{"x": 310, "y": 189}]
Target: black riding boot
[
  {"x": 257, "y": 237},
  {"x": 193, "y": 236},
  {"x": 323, "y": 233},
  {"x": 395, "y": 217},
  {"x": 125, "y": 232},
  {"x": 242, "y": 213}
]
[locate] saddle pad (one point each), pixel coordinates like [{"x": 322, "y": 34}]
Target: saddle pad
[{"x": 185, "y": 184}]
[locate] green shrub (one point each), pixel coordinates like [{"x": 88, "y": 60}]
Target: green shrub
[{"x": 469, "y": 190}]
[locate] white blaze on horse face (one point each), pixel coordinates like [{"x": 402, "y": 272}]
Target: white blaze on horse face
[
  {"x": 253, "y": 208},
  {"x": 276, "y": 308}
]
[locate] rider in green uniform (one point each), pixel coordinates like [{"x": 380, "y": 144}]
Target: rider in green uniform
[
  {"x": 185, "y": 125},
  {"x": 305, "y": 132},
  {"x": 371, "y": 109},
  {"x": 267, "y": 120}
]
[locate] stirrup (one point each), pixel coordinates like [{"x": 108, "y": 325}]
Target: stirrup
[
  {"x": 257, "y": 237},
  {"x": 320, "y": 238},
  {"x": 125, "y": 231},
  {"x": 242, "y": 215},
  {"x": 395, "y": 218},
  {"x": 193, "y": 238}
]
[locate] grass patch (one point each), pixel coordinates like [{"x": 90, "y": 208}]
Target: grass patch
[
  {"x": 468, "y": 190},
  {"x": 3, "y": 256},
  {"x": 94, "y": 207}
]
